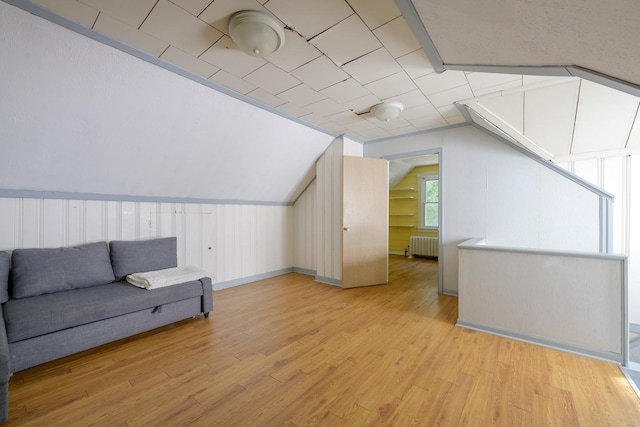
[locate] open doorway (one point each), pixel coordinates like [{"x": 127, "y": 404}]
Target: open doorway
[{"x": 415, "y": 207}]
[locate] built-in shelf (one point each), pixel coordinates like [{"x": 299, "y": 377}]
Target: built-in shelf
[
  {"x": 404, "y": 226},
  {"x": 403, "y": 189},
  {"x": 402, "y": 197},
  {"x": 401, "y": 214}
]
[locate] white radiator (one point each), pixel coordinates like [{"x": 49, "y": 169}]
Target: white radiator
[{"x": 423, "y": 246}]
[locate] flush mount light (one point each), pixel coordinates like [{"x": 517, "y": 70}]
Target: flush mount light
[
  {"x": 387, "y": 111},
  {"x": 256, "y": 33}
]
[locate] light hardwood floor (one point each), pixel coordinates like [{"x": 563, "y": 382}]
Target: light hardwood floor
[{"x": 289, "y": 351}]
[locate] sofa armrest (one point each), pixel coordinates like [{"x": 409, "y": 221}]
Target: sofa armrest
[
  {"x": 5, "y": 370},
  {"x": 207, "y": 296}
]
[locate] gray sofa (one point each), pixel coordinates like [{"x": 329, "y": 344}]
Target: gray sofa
[{"x": 56, "y": 302}]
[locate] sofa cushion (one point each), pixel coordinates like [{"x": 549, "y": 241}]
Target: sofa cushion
[
  {"x": 39, "y": 315},
  {"x": 5, "y": 260},
  {"x": 143, "y": 255},
  {"x": 41, "y": 271}
]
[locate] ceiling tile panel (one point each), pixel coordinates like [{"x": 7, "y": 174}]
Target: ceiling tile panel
[
  {"x": 498, "y": 88},
  {"x": 194, "y": 7},
  {"x": 410, "y": 99},
  {"x": 550, "y": 115},
  {"x": 346, "y": 41},
  {"x": 420, "y": 111},
  {"x": 345, "y": 91},
  {"x": 374, "y": 134},
  {"x": 326, "y": 107},
  {"x": 131, "y": 12},
  {"x": 416, "y": 64},
  {"x": 394, "y": 124},
  {"x": 375, "y": 13},
  {"x": 434, "y": 83},
  {"x": 391, "y": 86},
  {"x": 450, "y": 96},
  {"x": 295, "y": 52},
  {"x": 72, "y": 9},
  {"x": 449, "y": 111},
  {"x": 604, "y": 119},
  {"x": 364, "y": 104},
  {"x": 373, "y": 66},
  {"x": 266, "y": 98},
  {"x": 115, "y": 28},
  {"x": 190, "y": 63},
  {"x": 397, "y": 37},
  {"x": 510, "y": 108},
  {"x": 309, "y": 17},
  {"x": 345, "y": 118},
  {"x": 315, "y": 119},
  {"x": 176, "y": 26},
  {"x": 634, "y": 135},
  {"x": 403, "y": 130},
  {"x": 293, "y": 109},
  {"x": 479, "y": 81},
  {"x": 320, "y": 73},
  {"x": 232, "y": 82},
  {"x": 272, "y": 79},
  {"x": 301, "y": 95},
  {"x": 430, "y": 122},
  {"x": 225, "y": 54},
  {"x": 218, "y": 12}
]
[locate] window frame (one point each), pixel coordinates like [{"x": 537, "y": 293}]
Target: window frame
[{"x": 422, "y": 179}]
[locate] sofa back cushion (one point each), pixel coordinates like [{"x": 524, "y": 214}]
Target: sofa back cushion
[
  {"x": 143, "y": 255},
  {"x": 44, "y": 271},
  {"x": 4, "y": 277}
]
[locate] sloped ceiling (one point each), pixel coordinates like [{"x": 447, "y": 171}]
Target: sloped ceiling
[
  {"x": 74, "y": 111},
  {"x": 564, "y": 118},
  {"x": 80, "y": 116},
  {"x": 597, "y": 35}
]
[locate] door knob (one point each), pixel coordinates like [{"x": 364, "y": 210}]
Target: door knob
[{"x": 345, "y": 228}]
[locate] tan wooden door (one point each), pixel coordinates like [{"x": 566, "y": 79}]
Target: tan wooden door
[{"x": 365, "y": 220}]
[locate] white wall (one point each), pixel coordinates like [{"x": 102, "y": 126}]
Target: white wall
[
  {"x": 79, "y": 116},
  {"x": 328, "y": 209},
  {"x": 234, "y": 243},
  {"x": 304, "y": 225},
  {"x": 491, "y": 190}
]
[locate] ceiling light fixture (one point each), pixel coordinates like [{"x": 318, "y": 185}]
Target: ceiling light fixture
[
  {"x": 387, "y": 111},
  {"x": 256, "y": 33}
]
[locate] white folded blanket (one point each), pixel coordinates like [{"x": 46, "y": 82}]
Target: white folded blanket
[{"x": 167, "y": 277}]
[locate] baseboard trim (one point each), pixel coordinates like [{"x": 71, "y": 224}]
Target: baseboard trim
[
  {"x": 249, "y": 279},
  {"x": 306, "y": 271},
  {"x": 544, "y": 342},
  {"x": 329, "y": 281}
]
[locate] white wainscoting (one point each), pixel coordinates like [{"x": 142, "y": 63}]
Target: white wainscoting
[
  {"x": 304, "y": 249},
  {"x": 235, "y": 243}
]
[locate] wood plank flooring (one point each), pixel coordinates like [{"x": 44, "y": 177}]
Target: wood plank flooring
[{"x": 289, "y": 351}]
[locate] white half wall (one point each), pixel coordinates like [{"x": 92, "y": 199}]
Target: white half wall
[
  {"x": 80, "y": 116},
  {"x": 492, "y": 191},
  {"x": 234, "y": 243}
]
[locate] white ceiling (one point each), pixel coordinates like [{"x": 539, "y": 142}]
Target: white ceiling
[
  {"x": 565, "y": 118},
  {"x": 600, "y": 36},
  {"x": 340, "y": 58}
]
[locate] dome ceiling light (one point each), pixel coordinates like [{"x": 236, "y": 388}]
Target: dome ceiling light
[
  {"x": 387, "y": 111},
  {"x": 256, "y": 33}
]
